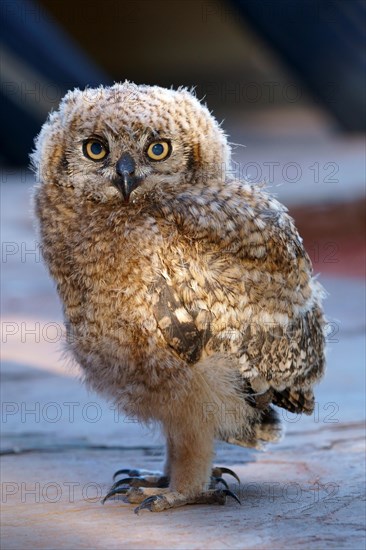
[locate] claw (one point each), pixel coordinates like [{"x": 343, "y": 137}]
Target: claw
[
  {"x": 162, "y": 482},
  {"x": 221, "y": 480},
  {"x": 137, "y": 473},
  {"x": 131, "y": 481},
  {"x": 128, "y": 471},
  {"x": 113, "y": 492},
  {"x": 146, "y": 503},
  {"x": 229, "y": 472},
  {"x": 229, "y": 493},
  {"x": 120, "y": 482}
]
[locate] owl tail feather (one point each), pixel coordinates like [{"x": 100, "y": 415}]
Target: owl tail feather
[
  {"x": 296, "y": 401},
  {"x": 266, "y": 429}
]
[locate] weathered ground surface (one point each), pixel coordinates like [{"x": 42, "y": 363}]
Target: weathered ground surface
[{"x": 61, "y": 444}]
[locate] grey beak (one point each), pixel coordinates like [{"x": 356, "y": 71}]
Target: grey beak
[{"x": 127, "y": 180}]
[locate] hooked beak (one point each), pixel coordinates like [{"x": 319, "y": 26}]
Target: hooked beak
[{"x": 126, "y": 180}]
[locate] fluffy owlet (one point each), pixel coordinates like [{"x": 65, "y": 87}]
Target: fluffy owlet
[{"x": 188, "y": 294}]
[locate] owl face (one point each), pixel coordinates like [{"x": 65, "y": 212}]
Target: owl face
[{"x": 127, "y": 140}]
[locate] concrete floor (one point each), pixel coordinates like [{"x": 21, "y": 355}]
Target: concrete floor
[{"x": 61, "y": 444}]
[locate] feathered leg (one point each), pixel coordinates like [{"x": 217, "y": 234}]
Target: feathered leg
[
  {"x": 188, "y": 476},
  {"x": 190, "y": 449}
]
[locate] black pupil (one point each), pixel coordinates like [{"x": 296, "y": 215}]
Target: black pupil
[
  {"x": 158, "y": 149},
  {"x": 96, "y": 148}
]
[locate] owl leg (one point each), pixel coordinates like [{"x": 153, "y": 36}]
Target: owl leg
[{"x": 189, "y": 464}]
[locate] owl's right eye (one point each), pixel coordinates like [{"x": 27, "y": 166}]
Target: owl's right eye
[{"x": 94, "y": 149}]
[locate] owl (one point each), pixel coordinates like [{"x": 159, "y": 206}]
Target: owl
[{"x": 188, "y": 296}]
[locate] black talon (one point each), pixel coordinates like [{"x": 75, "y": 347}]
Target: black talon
[
  {"x": 229, "y": 472},
  {"x": 131, "y": 473},
  {"x": 221, "y": 480},
  {"x": 229, "y": 493},
  {"x": 146, "y": 503},
  {"x": 141, "y": 482},
  {"x": 120, "y": 482},
  {"x": 132, "y": 482},
  {"x": 112, "y": 493}
]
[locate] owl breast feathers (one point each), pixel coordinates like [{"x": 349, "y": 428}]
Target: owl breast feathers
[{"x": 188, "y": 295}]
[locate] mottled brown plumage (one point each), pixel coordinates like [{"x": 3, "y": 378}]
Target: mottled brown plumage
[{"x": 188, "y": 295}]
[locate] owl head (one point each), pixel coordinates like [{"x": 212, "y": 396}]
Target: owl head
[{"x": 126, "y": 139}]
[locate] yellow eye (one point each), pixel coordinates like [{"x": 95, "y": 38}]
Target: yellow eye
[
  {"x": 159, "y": 150},
  {"x": 94, "y": 149}
]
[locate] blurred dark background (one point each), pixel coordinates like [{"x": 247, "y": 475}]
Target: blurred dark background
[{"x": 243, "y": 56}]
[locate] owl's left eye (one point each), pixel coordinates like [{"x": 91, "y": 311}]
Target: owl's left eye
[
  {"x": 94, "y": 149},
  {"x": 159, "y": 150}
]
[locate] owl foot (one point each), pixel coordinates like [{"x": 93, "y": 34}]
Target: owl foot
[
  {"x": 144, "y": 480},
  {"x": 173, "y": 499}
]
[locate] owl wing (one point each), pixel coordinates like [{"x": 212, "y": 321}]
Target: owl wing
[
  {"x": 183, "y": 336},
  {"x": 250, "y": 230},
  {"x": 295, "y": 401},
  {"x": 180, "y": 332}
]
